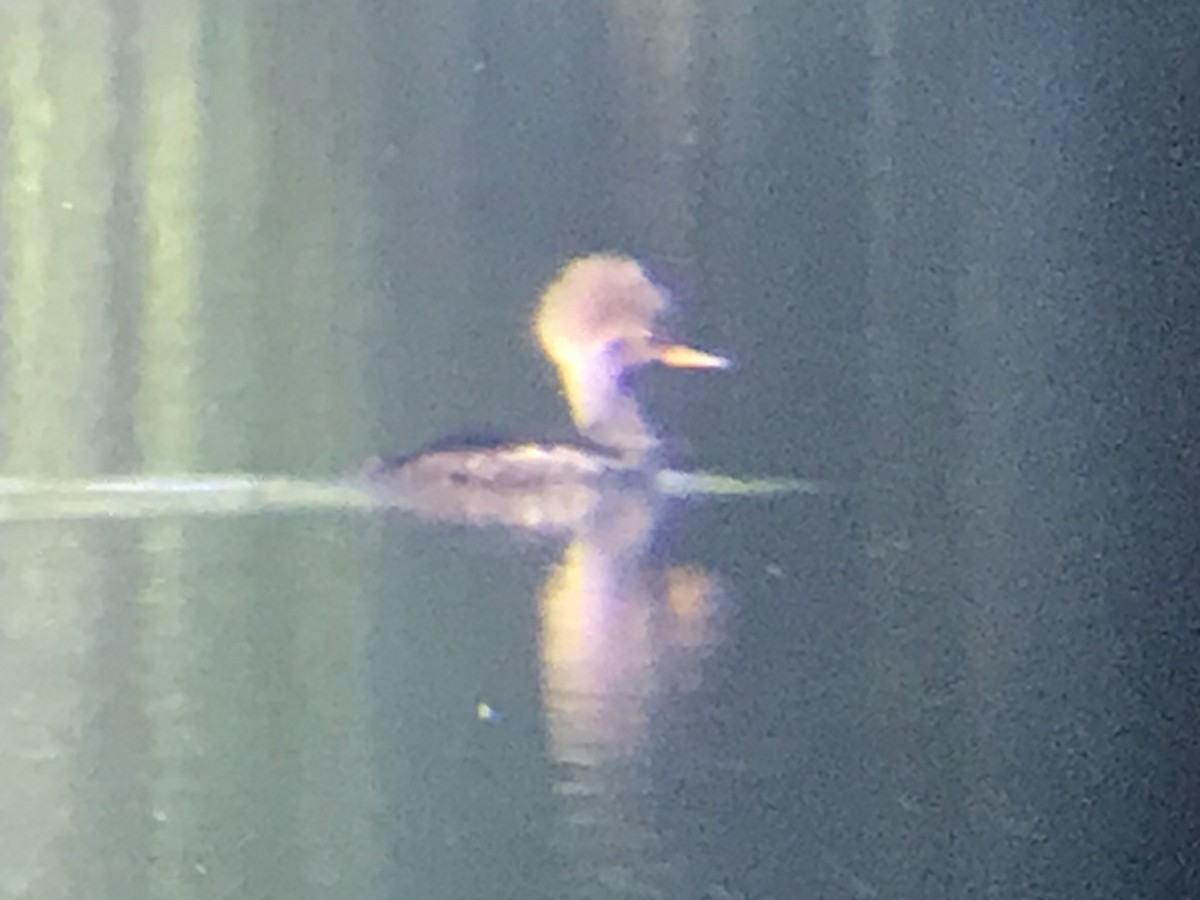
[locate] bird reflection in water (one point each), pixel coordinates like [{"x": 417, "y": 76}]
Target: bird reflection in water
[
  {"x": 623, "y": 638},
  {"x": 620, "y": 634}
]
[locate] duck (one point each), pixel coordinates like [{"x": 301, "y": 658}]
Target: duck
[{"x": 596, "y": 322}]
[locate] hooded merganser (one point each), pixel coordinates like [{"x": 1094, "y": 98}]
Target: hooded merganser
[{"x": 596, "y": 322}]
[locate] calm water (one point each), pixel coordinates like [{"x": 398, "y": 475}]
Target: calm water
[{"x": 952, "y": 257}]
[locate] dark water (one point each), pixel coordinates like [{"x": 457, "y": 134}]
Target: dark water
[{"x": 952, "y": 256}]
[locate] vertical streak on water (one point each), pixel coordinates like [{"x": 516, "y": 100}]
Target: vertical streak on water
[
  {"x": 655, "y": 46},
  {"x": 47, "y": 577},
  {"x": 321, "y": 144},
  {"x": 171, "y": 236},
  {"x": 57, "y": 179},
  {"x": 882, "y": 193},
  {"x": 313, "y": 297},
  {"x": 901, "y": 506},
  {"x": 235, "y": 166},
  {"x": 55, "y": 187},
  {"x": 882, "y": 336},
  {"x": 167, "y": 48},
  {"x": 984, "y": 487},
  {"x": 1033, "y": 577},
  {"x": 28, "y": 108}
]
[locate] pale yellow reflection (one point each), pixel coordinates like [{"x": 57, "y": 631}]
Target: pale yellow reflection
[
  {"x": 620, "y": 636},
  {"x": 167, "y": 407},
  {"x": 56, "y": 186},
  {"x": 58, "y": 114},
  {"x": 130, "y": 758}
]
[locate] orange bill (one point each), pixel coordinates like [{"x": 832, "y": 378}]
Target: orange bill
[{"x": 679, "y": 356}]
